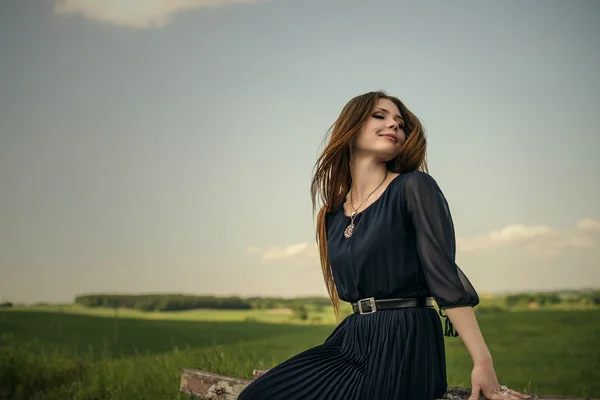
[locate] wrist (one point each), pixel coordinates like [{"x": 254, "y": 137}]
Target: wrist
[{"x": 483, "y": 361}]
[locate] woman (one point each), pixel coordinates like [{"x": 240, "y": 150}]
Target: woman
[{"x": 387, "y": 246}]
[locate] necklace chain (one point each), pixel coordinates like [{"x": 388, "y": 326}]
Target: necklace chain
[{"x": 350, "y": 228}]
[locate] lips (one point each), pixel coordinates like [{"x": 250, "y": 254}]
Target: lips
[{"x": 391, "y": 136}]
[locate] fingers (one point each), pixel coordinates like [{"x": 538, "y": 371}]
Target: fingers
[
  {"x": 508, "y": 395},
  {"x": 502, "y": 396},
  {"x": 513, "y": 394},
  {"x": 474, "y": 393},
  {"x": 518, "y": 395}
]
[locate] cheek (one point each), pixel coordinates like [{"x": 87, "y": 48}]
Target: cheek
[
  {"x": 369, "y": 127},
  {"x": 364, "y": 134},
  {"x": 359, "y": 139},
  {"x": 402, "y": 136}
]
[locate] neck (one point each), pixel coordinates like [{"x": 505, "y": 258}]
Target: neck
[{"x": 366, "y": 176}]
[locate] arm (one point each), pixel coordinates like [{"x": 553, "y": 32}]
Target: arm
[
  {"x": 466, "y": 324},
  {"x": 429, "y": 213},
  {"x": 434, "y": 233},
  {"x": 483, "y": 377}
]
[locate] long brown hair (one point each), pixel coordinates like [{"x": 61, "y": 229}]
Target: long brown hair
[{"x": 331, "y": 181}]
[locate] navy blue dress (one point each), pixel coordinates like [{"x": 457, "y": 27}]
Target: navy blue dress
[{"x": 403, "y": 245}]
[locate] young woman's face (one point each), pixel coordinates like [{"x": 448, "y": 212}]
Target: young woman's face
[{"x": 383, "y": 133}]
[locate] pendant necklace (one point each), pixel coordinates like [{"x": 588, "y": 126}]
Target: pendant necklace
[{"x": 350, "y": 228}]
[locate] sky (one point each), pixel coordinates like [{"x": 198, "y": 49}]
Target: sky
[{"x": 168, "y": 146}]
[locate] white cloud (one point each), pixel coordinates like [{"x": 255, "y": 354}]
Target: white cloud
[
  {"x": 139, "y": 14},
  {"x": 507, "y": 235},
  {"x": 588, "y": 224},
  {"x": 540, "y": 239}
]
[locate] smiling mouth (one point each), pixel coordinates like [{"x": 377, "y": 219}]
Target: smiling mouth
[{"x": 392, "y": 137}]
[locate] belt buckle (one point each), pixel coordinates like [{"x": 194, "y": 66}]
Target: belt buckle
[{"x": 371, "y": 301}]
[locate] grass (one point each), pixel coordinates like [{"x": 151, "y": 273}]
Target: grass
[
  {"x": 272, "y": 316},
  {"x": 46, "y": 354}
]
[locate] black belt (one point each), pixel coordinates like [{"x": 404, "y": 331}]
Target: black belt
[{"x": 370, "y": 305}]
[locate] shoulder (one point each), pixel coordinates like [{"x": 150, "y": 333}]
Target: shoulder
[
  {"x": 420, "y": 191},
  {"x": 418, "y": 181}
]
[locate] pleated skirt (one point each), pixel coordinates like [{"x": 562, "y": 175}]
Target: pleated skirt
[{"x": 394, "y": 354}]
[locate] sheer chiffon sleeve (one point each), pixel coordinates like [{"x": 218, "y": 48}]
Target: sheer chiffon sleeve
[{"x": 436, "y": 245}]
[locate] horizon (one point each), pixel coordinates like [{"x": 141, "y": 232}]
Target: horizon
[
  {"x": 169, "y": 147},
  {"x": 481, "y": 294}
]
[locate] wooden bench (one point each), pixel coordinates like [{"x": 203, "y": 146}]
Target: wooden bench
[{"x": 206, "y": 385}]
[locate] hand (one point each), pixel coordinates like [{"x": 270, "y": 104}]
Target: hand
[{"x": 484, "y": 381}]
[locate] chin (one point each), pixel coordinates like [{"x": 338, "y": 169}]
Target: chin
[
  {"x": 387, "y": 155},
  {"x": 385, "y": 152}
]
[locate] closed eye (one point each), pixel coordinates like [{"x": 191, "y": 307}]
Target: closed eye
[{"x": 400, "y": 124}]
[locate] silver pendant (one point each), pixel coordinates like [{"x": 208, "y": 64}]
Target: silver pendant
[{"x": 348, "y": 230}]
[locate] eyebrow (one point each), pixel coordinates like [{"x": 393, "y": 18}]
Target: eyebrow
[{"x": 387, "y": 112}]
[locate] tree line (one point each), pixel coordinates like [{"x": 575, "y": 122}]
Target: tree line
[
  {"x": 590, "y": 297},
  {"x": 178, "y": 302}
]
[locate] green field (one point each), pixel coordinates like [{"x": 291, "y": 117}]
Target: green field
[{"x": 71, "y": 352}]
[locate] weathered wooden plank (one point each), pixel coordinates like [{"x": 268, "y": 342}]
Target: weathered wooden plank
[
  {"x": 459, "y": 393},
  {"x": 213, "y": 386},
  {"x": 206, "y": 385}
]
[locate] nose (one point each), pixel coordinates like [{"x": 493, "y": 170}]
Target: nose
[{"x": 393, "y": 124}]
